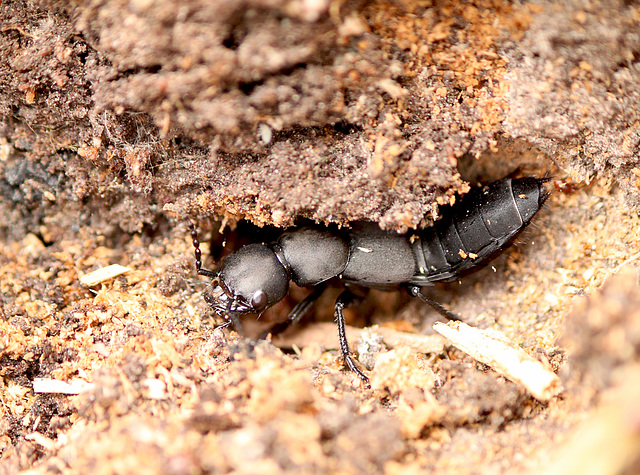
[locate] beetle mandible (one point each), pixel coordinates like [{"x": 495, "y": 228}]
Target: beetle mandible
[{"x": 467, "y": 236}]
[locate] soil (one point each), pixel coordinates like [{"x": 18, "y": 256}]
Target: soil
[{"x": 121, "y": 120}]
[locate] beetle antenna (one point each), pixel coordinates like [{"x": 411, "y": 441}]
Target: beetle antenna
[{"x": 198, "y": 253}]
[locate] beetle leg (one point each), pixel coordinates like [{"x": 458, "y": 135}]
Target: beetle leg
[
  {"x": 414, "y": 291},
  {"x": 224, "y": 324},
  {"x": 299, "y": 311},
  {"x": 234, "y": 318},
  {"x": 347, "y": 298}
]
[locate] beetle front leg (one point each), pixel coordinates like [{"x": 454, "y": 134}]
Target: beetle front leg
[
  {"x": 346, "y": 299},
  {"x": 298, "y": 312}
]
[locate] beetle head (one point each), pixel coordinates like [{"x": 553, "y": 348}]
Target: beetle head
[{"x": 250, "y": 280}]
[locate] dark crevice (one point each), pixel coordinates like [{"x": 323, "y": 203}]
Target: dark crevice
[
  {"x": 43, "y": 240},
  {"x": 231, "y": 41},
  {"x": 151, "y": 69},
  {"x": 345, "y": 128},
  {"x": 342, "y": 128},
  {"x": 628, "y": 63},
  {"x": 237, "y": 33},
  {"x": 81, "y": 47},
  {"x": 248, "y": 87}
]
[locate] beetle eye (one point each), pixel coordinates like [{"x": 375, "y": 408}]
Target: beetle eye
[{"x": 259, "y": 300}]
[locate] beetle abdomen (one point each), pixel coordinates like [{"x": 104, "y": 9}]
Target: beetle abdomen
[
  {"x": 378, "y": 259},
  {"x": 474, "y": 230}
]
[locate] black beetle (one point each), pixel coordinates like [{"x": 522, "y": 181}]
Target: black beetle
[{"x": 468, "y": 235}]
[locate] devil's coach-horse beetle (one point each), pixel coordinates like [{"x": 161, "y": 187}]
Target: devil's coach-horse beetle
[{"x": 467, "y": 236}]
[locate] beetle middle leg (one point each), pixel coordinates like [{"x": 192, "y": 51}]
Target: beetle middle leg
[
  {"x": 347, "y": 299},
  {"x": 298, "y": 313},
  {"x": 414, "y": 291}
]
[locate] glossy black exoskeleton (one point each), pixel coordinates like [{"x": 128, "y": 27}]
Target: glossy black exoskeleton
[{"x": 468, "y": 235}]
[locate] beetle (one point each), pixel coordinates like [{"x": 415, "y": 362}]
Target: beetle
[{"x": 467, "y": 236}]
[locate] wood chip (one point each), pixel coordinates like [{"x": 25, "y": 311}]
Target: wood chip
[
  {"x": 102, "y": 275},
  {"x": 42, "y": 440},
  {"x": 54, "y": 386},
  {"x": 493, "y": 349}
]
